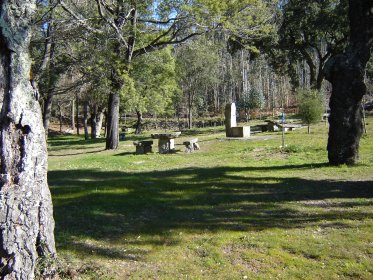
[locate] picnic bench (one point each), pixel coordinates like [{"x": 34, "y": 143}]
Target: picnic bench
[
  {"x": 166, "y": 141},
  {"x": 143, "y": 147},
  {"x": 191, "y": 145},
  {"x": 263, "y": 127},
  {"x": 275, "y": 126}
]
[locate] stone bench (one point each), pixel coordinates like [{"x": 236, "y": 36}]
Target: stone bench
[
  {"x": 261, "y": 127},
  {"x": 143, "y": 147},
  {"x": 291, "y": 127},
  {"x": 191, "y": 145},
  {"x": 240, "y": 131},
  {"x": 276, "y": 126}
]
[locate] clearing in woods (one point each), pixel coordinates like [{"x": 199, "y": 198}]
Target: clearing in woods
[{"x": 232, "y": 210}]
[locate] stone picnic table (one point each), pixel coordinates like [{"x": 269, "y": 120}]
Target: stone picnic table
[
  {"x": 275, "y": 126},
  {"x": 166, "y": 141}
]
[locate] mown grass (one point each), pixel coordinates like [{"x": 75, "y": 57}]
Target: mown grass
[{"x": 233, "y": 210}]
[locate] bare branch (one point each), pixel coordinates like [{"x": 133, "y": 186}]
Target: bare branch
[
  {"x": 79, "y": 18},
  {"x": 161, "y": 45},
  {"x": 158, "y": 21},
  {"x": 36, "y": 21},
  {"x": 107, "y": 7},
  {"x": 111, "y": 23}
]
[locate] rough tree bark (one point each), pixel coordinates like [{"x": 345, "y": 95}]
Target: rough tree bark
[
  {"x": 47, "y": 112},
  {"x": 139, "y": 122},
  {"x": 93, "y": 121},
  {"x": 85, "y": 119},
  {"x": 112, "y": 132},
  {"x": 112, "y": 123},
  {"x": 60, "y": 117},
  {"x": 26, "y": 218},
  {"x": 97, "y": 116},
  {"x": 346, "y": 73},
  {"x": 190, "y": 108},
  {"x": 73, "y": 114},
  {"x": 77, "y": 115},
  {"x": 100, "y": 119}
]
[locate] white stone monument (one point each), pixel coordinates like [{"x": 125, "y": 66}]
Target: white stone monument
[
  {"x": 231, "y": 128},
  {"x": 230, "y": 118}
]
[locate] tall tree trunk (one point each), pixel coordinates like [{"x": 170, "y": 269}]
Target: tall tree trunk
[
  {"x": 100, "y": 118},
  {"x": 60, "y": 115},
  {"x": 47, "y": 110},
  {"x": 105, "y": 124},
  {"x": 346, "y": 74},
  {"x": 139, "y": 122},
  {"x": 190, "y": 118},
  {"x": 47, "y": 56},
  {"x": 112, "y": 123},
  {"x": 85, "y": 120},
  {"x": 26, "y": 218},
  {"x": 312, "y": 70},
  {"x": 320, "y": 76},
  {"x": 97, "y": 116},
  {"x": 94, "y": 121},
  {"x": 48, "y": 104},
  {"x": 77, "y": 115},
  {"x": 190, "y": 109},
  {"x": 73, "y": 114},
  {"x": 48, "y": 65}
]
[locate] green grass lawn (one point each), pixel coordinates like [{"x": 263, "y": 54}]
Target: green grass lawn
[{"x": 233, "y": 210}]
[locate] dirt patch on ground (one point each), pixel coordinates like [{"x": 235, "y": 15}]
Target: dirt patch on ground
[
  {"x": 235, "y": 253},
  {"x": 56, "y": 130}
]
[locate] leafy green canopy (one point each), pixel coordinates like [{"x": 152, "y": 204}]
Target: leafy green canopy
[
  {"x": 153, "y": 83},
  {"x": 310, "y": 31},
  {"x": 197, "y": 63},
  {"x": 248, "y": 23}
]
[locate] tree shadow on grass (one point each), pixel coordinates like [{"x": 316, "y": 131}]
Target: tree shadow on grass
[
  {"x": 199, "y": 132},
  {"x": 62, "y": 143},
  {"x": 110, "y": 205},
  {"x": 76, "y": 153}
]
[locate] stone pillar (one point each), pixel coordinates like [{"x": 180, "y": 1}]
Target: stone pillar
[
  {"x": 230, "y": 118},
  {"x": 166, "y": 145}
]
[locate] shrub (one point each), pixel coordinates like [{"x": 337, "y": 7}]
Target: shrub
[{"x": 310, "y": 107}]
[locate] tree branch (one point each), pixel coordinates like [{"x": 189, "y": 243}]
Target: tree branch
[
  {"x": 78, "y": 18},
  {"x": 158, "y": 21},
  {"x": 161, "y": 45},
  {"x": 111, "y": 23}
]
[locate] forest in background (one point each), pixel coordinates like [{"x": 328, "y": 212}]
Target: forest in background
[
  {"x": 108, "y": 59},
  {"x": 182, "y": 59}
]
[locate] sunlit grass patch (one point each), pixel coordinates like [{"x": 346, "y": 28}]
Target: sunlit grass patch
[{"x": 232, "y": 210}]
